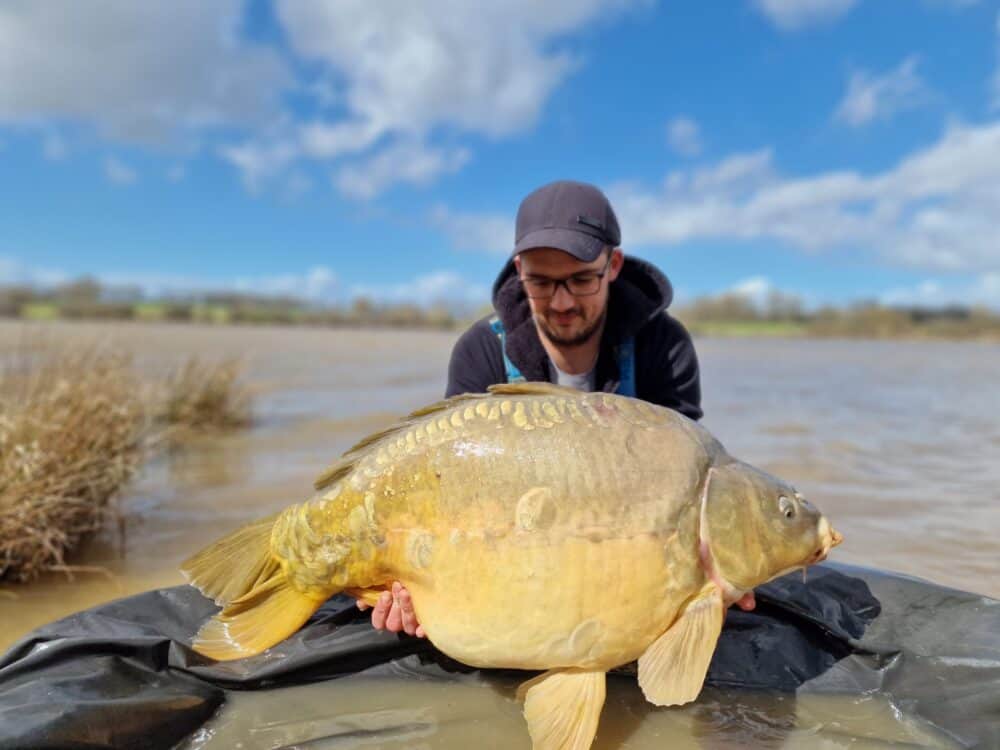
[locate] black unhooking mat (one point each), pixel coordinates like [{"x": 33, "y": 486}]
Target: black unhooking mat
[{"x": 122, "y": 676}]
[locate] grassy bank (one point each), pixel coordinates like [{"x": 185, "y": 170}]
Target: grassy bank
[{"x": 74, "y": 429}]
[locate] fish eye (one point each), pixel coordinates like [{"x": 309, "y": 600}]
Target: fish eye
[{"x": 786, "y": 506}]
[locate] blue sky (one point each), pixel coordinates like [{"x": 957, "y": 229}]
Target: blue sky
[{"x": 834, "y": 149}]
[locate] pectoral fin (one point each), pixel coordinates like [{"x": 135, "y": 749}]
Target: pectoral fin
[
  {"x": 673, "y": 669},
  {"x": 562, "y": 708}
]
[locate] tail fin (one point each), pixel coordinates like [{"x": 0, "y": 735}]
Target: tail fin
[
  {"x": 261, "y": 608},
  {"x": 268, "y": 614},
  {"x": 234, "y": 565}
]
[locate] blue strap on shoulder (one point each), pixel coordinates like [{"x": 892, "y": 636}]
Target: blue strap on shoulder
[
  {"x": 626, "y": 368},
  {"x": 513, "y": 374},
  {"x": 624, "y": 354}
]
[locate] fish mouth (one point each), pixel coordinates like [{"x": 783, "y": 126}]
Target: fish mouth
[{"x": 829, "y": 538}]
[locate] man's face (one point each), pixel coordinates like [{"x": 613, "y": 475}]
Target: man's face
[{"x": 564, "y": 318}]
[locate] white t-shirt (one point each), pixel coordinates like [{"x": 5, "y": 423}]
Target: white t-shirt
[{"x": 582, "y": 382}]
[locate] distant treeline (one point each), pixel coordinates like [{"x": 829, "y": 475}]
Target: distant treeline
[
  {"x": 779, "y": 314},
  {"x": 784, "y": 315},
  {"x": 87, "y": 299}
]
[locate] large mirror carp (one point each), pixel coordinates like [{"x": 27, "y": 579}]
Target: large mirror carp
[{"x": 537, "y": 528}]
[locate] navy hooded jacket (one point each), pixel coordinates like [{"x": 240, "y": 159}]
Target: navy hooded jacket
[{"x": 666, "y": 367}]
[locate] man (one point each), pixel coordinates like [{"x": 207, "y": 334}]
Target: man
[{"x": 571, "y": 309}]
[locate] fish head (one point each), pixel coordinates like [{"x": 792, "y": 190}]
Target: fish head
[{"x": 756, "y": 527}]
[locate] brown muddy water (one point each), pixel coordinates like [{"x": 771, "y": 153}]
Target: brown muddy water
[
  {"x": 395, "y": 715},
  {"x": 897, "y": 442}
]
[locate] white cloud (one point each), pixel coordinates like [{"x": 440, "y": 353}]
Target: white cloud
[
  {"x": 734, "y": 174},
  {"x": 684, "y": 136},
  {"x": 118, "y": 172},
  {"x": 379, "y": 74},
  {"x": 14, "y": 272},
  {"x": 792, "y": 15},
  {"x": 938, "y": 208},
  {"x": 478, "y": 232},
  {"x": 258, "y": 162},
  {"x": 404, "y": 162},
  {"x": 870, "y": 97},
  {"x": 928, "y": 292},
  {"x": 432, "y": 288},
  {"x": 319, "y": 284},
  {"x": 324, "y": 141},
  {"x": 407, "y": 67},
  {"x": 141, "y": 72},
  {"x": 988, "y": 288},
  {"x": 403, "y": 71},
  {"x": 983, "y": 290},
  {"x": 755, "y": 289}
]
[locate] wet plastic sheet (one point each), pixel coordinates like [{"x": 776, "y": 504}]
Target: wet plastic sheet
[{"x": 122, "y": 676}]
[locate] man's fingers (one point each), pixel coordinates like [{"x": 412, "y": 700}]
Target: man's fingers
[
  {"x": 381, "y": 610},
  {"x": 394, "y": 622},
  {"x": 394, "y": 612},
  {"x": 409, "y": 617}
]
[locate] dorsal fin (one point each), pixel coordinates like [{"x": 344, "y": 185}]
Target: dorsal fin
[
  {"x": 373, "y": 438},
  {"x": 343, "y": 466},
  {"x": 337, "y": 471},
  {"x": 445, "y": 404},
  {"x": 532, "y": 389}
]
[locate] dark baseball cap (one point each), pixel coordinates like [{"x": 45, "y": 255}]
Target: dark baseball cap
[{"x": 570, "y": 216}]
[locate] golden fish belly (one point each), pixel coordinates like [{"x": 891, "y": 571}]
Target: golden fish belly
[{"x": 540, "y": 603}]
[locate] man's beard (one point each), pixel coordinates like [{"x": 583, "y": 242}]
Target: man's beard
[{"x": 576, "y": 339}]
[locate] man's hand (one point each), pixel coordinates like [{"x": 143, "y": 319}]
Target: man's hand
[
  {"x": 394, "y": 612},
  {"x": 746, "y": 602}
]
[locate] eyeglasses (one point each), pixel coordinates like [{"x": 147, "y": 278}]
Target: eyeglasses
[{"x": 579, "y": 284}]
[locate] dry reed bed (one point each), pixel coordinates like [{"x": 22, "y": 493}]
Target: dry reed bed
[
  {"x": 202, "y": 397},
  {"x": 74, "y": 429}
]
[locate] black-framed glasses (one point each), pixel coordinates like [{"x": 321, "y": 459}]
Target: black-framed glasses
[{"x": 579, "y": 284}]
